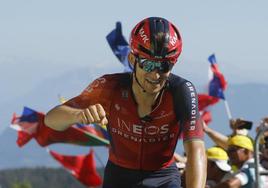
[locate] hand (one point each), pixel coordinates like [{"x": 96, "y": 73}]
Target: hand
[
  {"x": 205, "y": 126},
  {"x": 265, "y": 121},
  {"x": 263, "y": 124},
  {"x": 232, "y": 123},
  {"x": 94, "y": 114}
]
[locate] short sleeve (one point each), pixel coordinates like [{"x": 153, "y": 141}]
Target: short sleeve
[
  {"x": 187, "y": 105},
  {"x": 97, "y": 92},
  {"x": 242, "y": 177}
]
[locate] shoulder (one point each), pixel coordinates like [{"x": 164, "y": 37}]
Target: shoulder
[
  {"x": 119, "y": 79},
  {"x": 116, "y": 76},
  {"x": 180, "y": 86},
  {"x": 109, "y": 81},
  {"x": 177, "y": 82}
]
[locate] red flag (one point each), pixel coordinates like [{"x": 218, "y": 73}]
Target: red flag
[
  {"x": 31, "y": 125},
  {"x": 217, "y": 82},
  {"x": 205, "y": 100},
  {"x": 217, "y": 85},
  {"x": 206, "y": 116},
  {"x": 82, "y": 167}
]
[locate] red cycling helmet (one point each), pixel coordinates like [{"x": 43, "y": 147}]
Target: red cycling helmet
[{"x": 156, "y": 39}]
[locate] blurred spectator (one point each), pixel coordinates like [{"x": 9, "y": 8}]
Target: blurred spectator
[
  {"x": 264, "y": 153},
  {"x": 240, "y": 152},
  {"x": 264, "y": 143},
  {"x": 218, "y": 169},
  {"x": 238, "y": 126},
  {"x": 181, "y": 164}
]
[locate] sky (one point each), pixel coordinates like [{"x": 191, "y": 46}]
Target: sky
[
  {"x": 55, "y": 36},
  {"x": 40, "y": 40}
]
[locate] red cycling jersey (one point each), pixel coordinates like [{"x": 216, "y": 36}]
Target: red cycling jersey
[{"x": 146, "y": 143}]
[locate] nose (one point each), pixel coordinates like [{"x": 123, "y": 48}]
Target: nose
[{"x": 155, "y": 74}]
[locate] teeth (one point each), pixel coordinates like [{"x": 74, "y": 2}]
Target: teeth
[{"x": 153, "y": 81}]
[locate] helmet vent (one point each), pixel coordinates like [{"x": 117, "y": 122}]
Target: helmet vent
[
  {"x": 148, "y": 52},
  {"x": 171, "y": 52}
]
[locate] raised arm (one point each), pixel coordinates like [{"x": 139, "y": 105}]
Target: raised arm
[
  {"x": 217, "y": 137},
  {"x": 61, "y": 117},
  {"x": 86, "y": 108}
]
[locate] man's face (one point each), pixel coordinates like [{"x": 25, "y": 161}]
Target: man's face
[
  {"x": 152, "y": 80},
  {"x": 264, "y": 149},
  {"x": 237, "y": 155},
  {"x": 265, "y": 154}
]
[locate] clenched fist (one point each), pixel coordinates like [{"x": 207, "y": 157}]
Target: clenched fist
[{"x": 94, "y": 114}]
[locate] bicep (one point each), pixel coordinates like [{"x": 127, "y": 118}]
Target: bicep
[
  {"x": 94, "y": 93},
  {"x": 81, "y": 101}
]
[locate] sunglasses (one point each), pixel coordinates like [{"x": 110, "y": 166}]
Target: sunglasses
[
  {"x": 149, "y": 65},
  {"x": 234, "y": 149}
]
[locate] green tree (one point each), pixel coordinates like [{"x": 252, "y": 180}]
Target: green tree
[{"x": 24, "y": 184}]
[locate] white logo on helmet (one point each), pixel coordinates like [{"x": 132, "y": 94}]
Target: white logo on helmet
[
  {"x": 143, "y": 35},
  {"x": 174, "y": 39}
]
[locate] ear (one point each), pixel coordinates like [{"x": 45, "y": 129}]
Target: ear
[{"x": 131, "y": 58}]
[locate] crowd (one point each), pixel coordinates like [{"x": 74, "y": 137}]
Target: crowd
[{"x": 230, "y": 163}]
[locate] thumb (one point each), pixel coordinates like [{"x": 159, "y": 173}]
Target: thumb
[{"x": 104, "y": 121}]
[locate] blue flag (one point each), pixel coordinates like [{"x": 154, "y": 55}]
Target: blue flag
[
  {"x": 119, "y": 46},
  {"x": 217, "y": 83}
]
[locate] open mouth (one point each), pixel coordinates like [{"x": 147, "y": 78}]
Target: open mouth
[{"x": 153, "y": 81}]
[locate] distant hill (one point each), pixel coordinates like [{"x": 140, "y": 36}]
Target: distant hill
[
  {"x": 45, "y": 94},
  {"x": 32, "y": 155},
  {"x": 248, "y": 101},
  {"x": 245, "y": 100},
  {"x": 42, "y": 98},
  {"x": 41, "y": 177}
]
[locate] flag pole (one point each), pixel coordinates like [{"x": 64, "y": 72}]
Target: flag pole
[{"x": 227, "y": 109}]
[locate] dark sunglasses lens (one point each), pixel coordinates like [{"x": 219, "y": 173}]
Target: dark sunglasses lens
[
  {"x": 165, "y": 67},
  {"x": 230, "y": 150}
]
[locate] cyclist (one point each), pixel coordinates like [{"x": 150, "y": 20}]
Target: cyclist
[{"x": 145, "y": 111}]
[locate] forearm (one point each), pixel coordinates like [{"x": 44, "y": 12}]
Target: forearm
[
  {"x": 220, "y": 139},
  {"x": 62, "y": 117},
  {"x": 230, "y": 183},
  {"x": 196, "y": 165}
]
